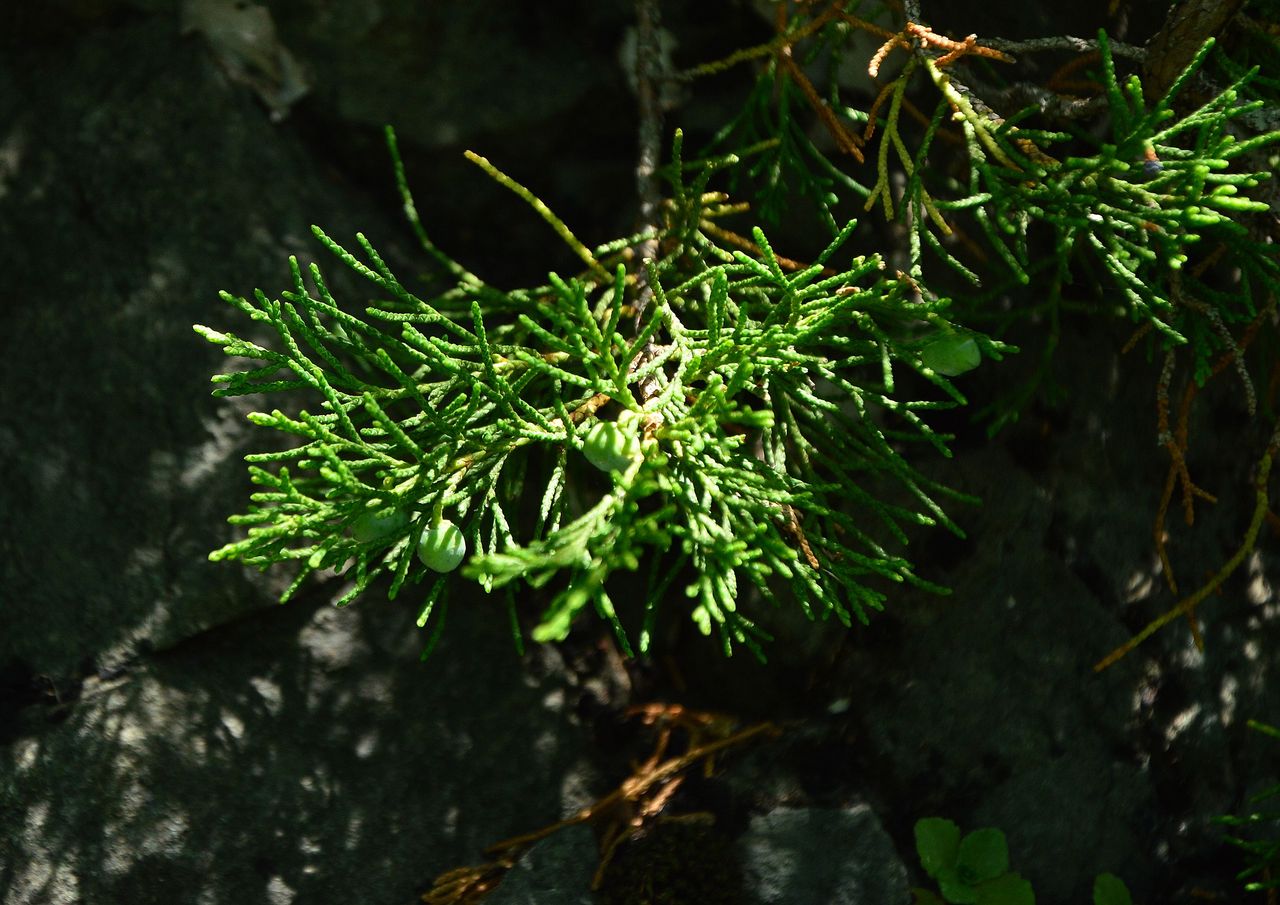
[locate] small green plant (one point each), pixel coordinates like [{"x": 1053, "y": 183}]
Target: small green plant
[
  {"x": 973, "y": 869},
  {"x": 758, "y": 417},
  {"x": 734, "y": 403},
  {"x": 1263, "y": 850}
]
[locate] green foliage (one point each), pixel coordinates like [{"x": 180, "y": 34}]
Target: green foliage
[
  {"x": 1262, "y": 851},
  {"x": 735, "y": 416},
  {"x": 1108, "y": 889},
  {"x": 1136, "y": 203},
  {"x": 1256, "y": 49},
  {"x": 782, "y": 161},
  {"x": 951, "y": 355},
  {"x": 974, "y": 869},
  {"x": 969, "y": 869},
  {"x": 1049, "y": 195},
  {"x": 752, "y": 420}
]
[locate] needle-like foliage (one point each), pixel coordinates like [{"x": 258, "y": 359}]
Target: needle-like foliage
[
  {"x": 766, "y": 402},
  {"x": 718, "y": 417},
  {"x": 1137, "y": 203},
  {"x": 1161, "y": 203}
]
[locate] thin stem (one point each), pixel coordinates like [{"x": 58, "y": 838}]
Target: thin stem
[
  {"x": 1188, "y": 604},
  {"x": 769, "y": 48},
  {"x": 648, "y": 72},
  {"x": 1066, "y": 42},
  {"x": 561, "y": 228}
]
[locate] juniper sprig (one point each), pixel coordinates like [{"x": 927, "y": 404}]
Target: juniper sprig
[
  {"x": 738, "y": 418},
  {"x": 699, "y": 408}
]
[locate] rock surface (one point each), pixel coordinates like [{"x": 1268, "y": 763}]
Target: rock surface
[
  {"x": 1028, "y": 725},
  {"x": 243, "y": 754},
  {"x": 303, "y": 755},
  {"x": 127, "y": 202},
  {"x": 841, "y": 857},
  {"x": 448, "y": 74},
  {"x": 558, "y": 869},
  {"x": 167, "y": 737}
]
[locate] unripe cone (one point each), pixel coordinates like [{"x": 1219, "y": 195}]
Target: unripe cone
[
  {"x": 442, "y": 547},
  {"x": 609, "y": 447},
  {"x": 374, "y": 526}
]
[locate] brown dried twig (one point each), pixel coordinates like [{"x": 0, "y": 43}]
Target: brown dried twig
[
  {"x": 846, "y": 141},
  {"x": 622, "y": 813},
  {"x": 952, "y": 49},
  {"x": 1188, "y": 604},
  {"x": 1176, "y": 442},
  {"x": 769, "y": 48},
  {"x": 742, "y": 242}
]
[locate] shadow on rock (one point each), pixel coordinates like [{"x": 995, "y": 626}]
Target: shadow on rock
[{"x": 303, "y": 755}]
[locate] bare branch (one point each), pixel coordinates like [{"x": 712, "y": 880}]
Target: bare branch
[
  {"x": 1188, "y": 26},
  {"x": 1066, "y": 42},
  {"x": 648, "y": 74}
]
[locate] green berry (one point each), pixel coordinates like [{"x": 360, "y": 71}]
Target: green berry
[
  {"x": 610, "y": 448},
  {"x": 371, "y": 527},
  {"x": 442, "y": 547},
  {"x": 951, "y": 355}
]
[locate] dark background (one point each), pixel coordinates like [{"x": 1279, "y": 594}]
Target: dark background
[{"x": 167, "y": 735}]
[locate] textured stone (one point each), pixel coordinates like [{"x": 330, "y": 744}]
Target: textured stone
[
  {"x": 992, "y": 715},
  {"x": 134, "y": 184},
  {"x": 820, "y": 856},
  {"x": 446, "y": 73},
  {"x": 303, "y": 755},
  {"x": 555, "y": 871}
]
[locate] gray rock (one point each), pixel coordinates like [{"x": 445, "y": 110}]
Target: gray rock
[
  {"x": 1087, "y": 788},
  {"x": 447, "y": 73},
  {"x": 555, "y": 871},
  {"x": 135, "y": 182},
  {"x": 818, "y": 856},
  {"x": 998, "y": 719},
  {"x": 304, "y": 755}
]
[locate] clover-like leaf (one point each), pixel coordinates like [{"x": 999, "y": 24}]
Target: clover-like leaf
[
  {"x": 983, "y": 855},
  {"x": 951, "y": 355},
  {"x": 1108, "y": 889},
  {"x": 938, "y": 843},
  {"x": 955, "y": 888},
  {"x": 1008, "y": 889}
]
